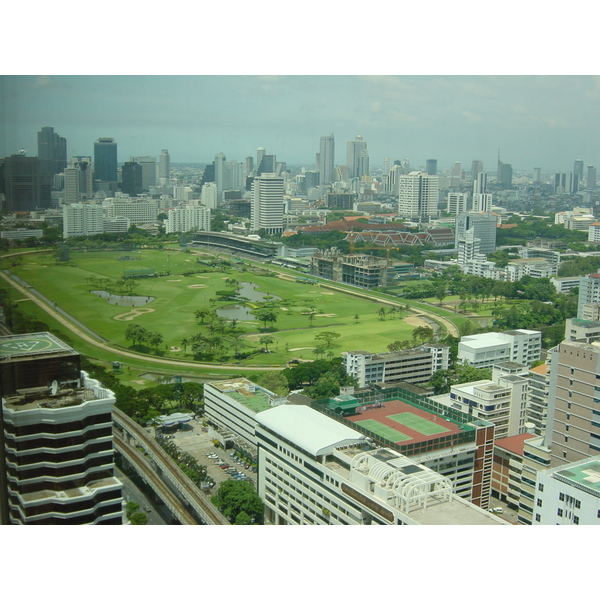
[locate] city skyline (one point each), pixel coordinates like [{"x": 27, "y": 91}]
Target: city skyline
[{"x": 534, "y": 121}]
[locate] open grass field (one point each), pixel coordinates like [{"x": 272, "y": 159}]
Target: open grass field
[{"x": 179, "y": 294}]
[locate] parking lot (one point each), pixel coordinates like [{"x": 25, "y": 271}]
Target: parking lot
[{"x": 199, "y": 444}]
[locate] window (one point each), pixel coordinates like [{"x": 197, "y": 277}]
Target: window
[
  {"x": 560, "y": 512},
  {"x": 539, "y": 501},
  {"x": 576, "y": 520},
  {"x": 537, "y": 517},
  {"x": 541, "y": 487},
  {"x": 577, "y": 504},
  {"x": 561, "y": 496}
]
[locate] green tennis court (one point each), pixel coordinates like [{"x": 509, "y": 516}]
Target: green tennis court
[
  {"x": 423, "y": 426},
  {"x": 383, "y": 430}
]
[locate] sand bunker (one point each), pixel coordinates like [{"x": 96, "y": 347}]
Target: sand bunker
[
  {"x": 197, "y": 285},
  {"x": 327, "y": 293},
  {"x": 132, "y": 314},
  {"x": 327, "y": 315},
  {"x": 173, "y": 280},
  {"x": 202, "y": 276},
  {"x": 305, "y": 348},
  {"x": 175, "y": 348}
]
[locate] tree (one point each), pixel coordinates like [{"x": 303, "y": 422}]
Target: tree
[
  {"x": 236, "y": 497},
  {"x": 466, "y": 373},
  {"x": 356, "y": 318},
  {"x": 422, "y": 333},
  {"x": 440, "y": 293},
  {"x": 441, "y": 381},
  {"x": 326, "y": 386},
  {"x": 265, "y": 340},
  {"x": 266, "y": 315},
  {"x": 275, "y": 382},
  {"x": 327, "y": 337},
  {"x": 381, "y": 312},
  {"x": 311, "y": 317},
  {"x": 201, "y": 314},
  {"x": 138, "y": 518}
]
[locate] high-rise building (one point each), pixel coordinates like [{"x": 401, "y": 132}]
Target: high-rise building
[
  {"x": 131, "y": 178},
  {"x": 591, "y": 178},
  {"x": 431, "y": 166},
  {"x": 589, "y": 294},
  {"x": 566, "y": 183},
  {"x": 78, "y": 179},
  {"x": 209, "y": 195},
  {"x": 418, "y": 196},
  {"x": 456, "y": 170},
  {"x": 267, "y": 203},
  {"x": 52, "y": 151},
  {"x": 248, "y": 166},
  {"x": 476, "y": 169},
  {"x": 164, "y": 167},
  {"x": 105, "y": 160},
  {"x": 357, "y": 158},
  {"x": 326, "y": 159},
  {"x": 56, "y": 437},
  {"x": 537, "y": 175},
  {"x": 148, "y": 164},
  {"x": 188, "y": 217},
  {"x": 456, "y": 203},
  {"x": 387, "y": 164},
  {"x": 578, "y": 168},
  {"x": 267, "y": 164},
  {"x": 504, "y": 174},
  {"x": 24, "y": 187}
]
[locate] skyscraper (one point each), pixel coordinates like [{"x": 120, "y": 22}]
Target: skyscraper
[
  {"x": 52, "y": 151},
  {"x": 326, "y": 159},
  {"x": 164, "y": 166},
  {"x": 79, "y": 179},
  {"x": 537, "y": 175},
  {"x": 357, "y": 159},
  {"x": 131, "y": 176},
  {"x": 591, "y": 178},
  {"x": 105, "y": 160},
  {"x": 578, "y": 168},
  {"x": 148, "y": 164},
  {"x": 267, "y": 203},
  {"x": 476, "y": 168},
  {"x": 431, "y": 166},
  {"x": 483, "y": 226},
  {"x": 418, "y": 196},
  {"x": 22, "y": 184},
  {"x": 56, "y": 455}
]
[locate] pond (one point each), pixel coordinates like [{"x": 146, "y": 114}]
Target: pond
[
  {"x": 124, "y": 300},
  {"x": 243, "y": 313}
]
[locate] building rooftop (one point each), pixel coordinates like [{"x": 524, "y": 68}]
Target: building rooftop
[
  {"x": 514, "y": 443},
  {"x": 32, "y": 344},
  {"x": 584, "y": 475},
  {"x": 308, "y": 429},
  {"x": 246, "y": 393},
  {"x": 541, "y": 369}
]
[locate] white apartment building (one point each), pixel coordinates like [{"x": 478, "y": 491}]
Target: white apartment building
[
  {"x": 209, "y": 195},
  {"x": 418, "y": 196},
  {"x": 82, "y": 219},
  {"x": 485, "y": 349},
  {"x": 314, "y": 470},
  {"x": 267, "y": 203},
  {"x": 416, "y": 365},
  {"x": 537, "y": 400},
  {"x": 594, "y": 233},
  {"x": 116, "y": 224},
  {"x": 456, "y": 203},
  {"x": 187, "y": 217},
  {"x": 569, "y": 494},
  {"x": 137, "y": 210}
]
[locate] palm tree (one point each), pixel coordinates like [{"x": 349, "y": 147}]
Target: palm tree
[{"x": 381, "y": 313}]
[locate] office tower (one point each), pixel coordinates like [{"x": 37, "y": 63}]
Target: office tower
[
  {"x": 537, "y": 175},
  {"x": 578, "y": 169},
  {"x": 131, "y": 176},
  {"x": 357, "y": 159},
  {"x": 82, "y": 220},
  {"x": 56, "y": 450},
  {"x": 456, "y": 203},
  {"x": 260, "y": 152},
  {"x": 105, "y": 160},
  {"x": 235, "y": 175},
  {"x": 24, "y": 187},
  {"x": 456, "y": 170},
  {"x": 418, "y": 196},
  {"x": 480, "y": 183},
  {"x": 249, "y": 166},
  {"x": 148, "y": 164},
  {"x": 483, "y": 226},
  {"x": 430, "y": 166},
  {"x": 591, "y": 178},
  {"x": 52, "y": 151},
  {"x": 482, "y": 202},
  {"x": 267, "y": 204},
  {"x": 78, "y": 179},
  {"x": 326, "y": 159},
  {"x": 504, "y": 174},
  {"x": 311, "y": 179},
  {"x": 476, "y": 168},
  {"x": 164, "y": 167},
  {"x": 566, "y": 183},
  {"x": 209, "y": 195},
  {"x": 220, "y": 176},
  {"x": 387, "y": 164},
  {"x": 268, "y": 164},
  {"x": 208, "y": 175}
]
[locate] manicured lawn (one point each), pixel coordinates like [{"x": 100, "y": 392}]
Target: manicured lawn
[{"x": 178, "y": 295}]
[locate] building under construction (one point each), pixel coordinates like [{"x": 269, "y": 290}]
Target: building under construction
[{"x": 361, "y": 270}]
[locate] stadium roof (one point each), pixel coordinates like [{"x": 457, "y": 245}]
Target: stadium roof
[{"x": 308, "y": 429}]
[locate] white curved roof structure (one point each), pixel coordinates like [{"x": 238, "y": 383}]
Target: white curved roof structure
[{"x": 307, "y": 428}]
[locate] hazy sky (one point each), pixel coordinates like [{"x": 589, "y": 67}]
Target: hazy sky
[{"x": 535, "y": 121}]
